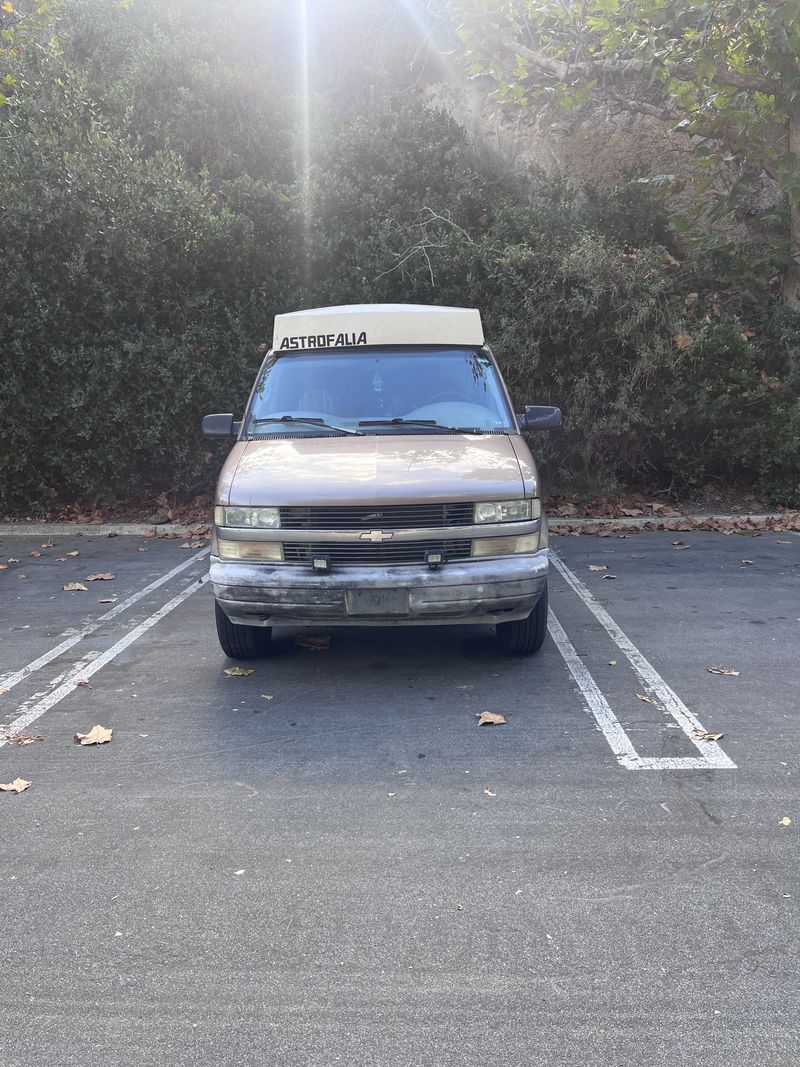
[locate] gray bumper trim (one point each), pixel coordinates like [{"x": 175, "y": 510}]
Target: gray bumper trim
[{"x": 479, "y": 591}]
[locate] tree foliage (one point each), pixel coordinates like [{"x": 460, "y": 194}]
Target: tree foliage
[
  {"x": 726, "y": 72},
  {"x": 148, "y": 239}
]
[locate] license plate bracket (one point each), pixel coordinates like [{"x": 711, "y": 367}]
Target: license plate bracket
[{"x": 377, "y": 602}]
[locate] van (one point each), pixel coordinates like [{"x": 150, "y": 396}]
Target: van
[{"x": 379, "y": 477}]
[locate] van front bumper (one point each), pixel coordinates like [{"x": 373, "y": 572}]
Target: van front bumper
[{"x": 477, "y": 591}]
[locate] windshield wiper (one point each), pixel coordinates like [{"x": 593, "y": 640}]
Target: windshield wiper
[
  {"x": 308, "y": 422},
  {"x": 429, "y": 424}
]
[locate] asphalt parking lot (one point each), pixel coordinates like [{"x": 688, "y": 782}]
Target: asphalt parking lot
[{"x": 328, "y": 862}]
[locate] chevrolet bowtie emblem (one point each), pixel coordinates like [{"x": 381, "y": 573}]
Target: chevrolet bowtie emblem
[{"x": 376, "y": 536}]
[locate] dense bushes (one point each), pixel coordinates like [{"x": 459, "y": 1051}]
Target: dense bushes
[{"x": 148, "y": 238}]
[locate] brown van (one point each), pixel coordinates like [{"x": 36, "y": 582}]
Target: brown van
[{"x": 379, "y": 477}]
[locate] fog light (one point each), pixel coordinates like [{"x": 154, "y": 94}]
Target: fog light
[
  {"x": 263, "y": 551},
  {"x": 433, "y": 559},
  {"x": 505, "y": 546},
  {"x": 321, "y": 563}
]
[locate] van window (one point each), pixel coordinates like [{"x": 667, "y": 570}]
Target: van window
[{"x": 456, "y": 388}]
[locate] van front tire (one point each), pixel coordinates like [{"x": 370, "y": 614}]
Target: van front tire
[
  {"x": 525, "y": 636},
  {"x": 241, "y": 642}
]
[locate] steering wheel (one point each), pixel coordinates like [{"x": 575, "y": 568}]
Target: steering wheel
[{"x": 445, "y": 396}]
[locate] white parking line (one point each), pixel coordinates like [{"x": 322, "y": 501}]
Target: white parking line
[
  {"x": 86, "y": 670},
  {"x": 8, "y": 681},
  {"x": 712, "y": 756}
]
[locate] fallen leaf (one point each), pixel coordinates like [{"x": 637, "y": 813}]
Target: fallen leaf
[
  {"x": 268, "y": 696},
  {"x": 747, "y": 561},
  {"x": 466, "y": 686},
  {"x": 680, "y": 544},
  {"x": 83, "y": 681},
  {"x": 22, "y": 739},
  {"x": 36, "y": 553},
  {"x": 597, "y": 567},
  {"x": 729, "y": 671},
  {"x": 612, "y": 663},
  {"x": 3, "y": 689},
  {"x": 49, "y": 544},
  {"x": 682, "y": 340},
  {"x": 631, "y": 512},
  {"x": 22, "y": 577},
  {"x": 192, "y": 544},
  {"x": 3, "y": 566},
  {"x": 646, "y": 699},
  {"x": 239, "y": 672},
  {"x": 142, "y": 549},
  {"x": 706, "y": 735},
  {"x": 392, "y": 794},
  {"x": 609, "y": 578},
  {"x": 99, "y": 577},
  {"x": 313, "y": 641},
  {"x": 12, "y": 560},
  {"x": 241, "y": 871},
  {"x": 637, "y": 556},
  {"x": 75, "y": 553},
  {"x": 487, "y": 791},
  {"x": 783, "y": 542},
  {"x": 98, "y": 735},
  {"x": 785, "y": 821},
  {"x": 19, "y": 785},
  {"x": 491, "y": 718},
  {"x": 109, "y": 600},
  {"x": 75, "y": 587}
]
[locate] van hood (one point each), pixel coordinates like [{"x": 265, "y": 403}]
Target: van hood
[{"x": 396, "y": 468}]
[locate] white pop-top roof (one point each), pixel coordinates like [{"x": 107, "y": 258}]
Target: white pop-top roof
[{"x": 377, "y": 324}]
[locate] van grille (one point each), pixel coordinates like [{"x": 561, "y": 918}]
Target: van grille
[
  {"x": 360, "y": 554},
  {"x": 377, "y": 517}
]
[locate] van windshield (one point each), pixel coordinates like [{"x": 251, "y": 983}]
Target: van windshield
[{"x": 379, "y": 391}]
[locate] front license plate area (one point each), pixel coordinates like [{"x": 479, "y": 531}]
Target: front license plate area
[{"x": 377, "y": 601}]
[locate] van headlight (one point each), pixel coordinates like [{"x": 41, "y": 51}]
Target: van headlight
[
  {"x": 507, "y": 510},
  {"x": 253, "y": 518},
  {"x": 505, "y": 546},
  {"x": 261, "y": 551}
]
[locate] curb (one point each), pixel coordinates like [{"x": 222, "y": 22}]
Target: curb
[
  {"x": 99, "y": 529},
  {"x": 556, "y": 524},
  {"x": 675, "y": 523}
]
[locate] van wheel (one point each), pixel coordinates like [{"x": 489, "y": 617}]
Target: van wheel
[
  {"x": 241, "y": 642},
  {"x": 525, "y": 636}
]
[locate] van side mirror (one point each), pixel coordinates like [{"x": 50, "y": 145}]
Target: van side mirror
[
  {"x": 220, "y": 426},
  {"x": 539, "y": 417}
]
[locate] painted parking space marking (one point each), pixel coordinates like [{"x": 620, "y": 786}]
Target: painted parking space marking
[
  {"x": 86, "y": 669},
  {"x": 8, "y": 681},
  {"x": 712, "y": 756}
]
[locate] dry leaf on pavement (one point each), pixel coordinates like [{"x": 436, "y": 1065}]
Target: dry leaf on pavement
[
  {"x": 239, "y": 672},
  {"x": 192, "y": 544},
  {"x": 84, "y": 682},
  {"x": 723, "y": 670},
  {"x": 109, "y": 600},
  {"x": 646, "y": 699},
  {"x": 487, "y": 791},
  {"x": 612, "y": 663},
  {"x": 706, "y": 735},
  {"x": 99, "y": 577},
  {"x": 75, "y": 553},
  {"x": 597, "y": 567},
  {"x": 747, "y": 561},
  {"x": 785, "y": 821},
  {"x": 12, "y": 560},
  {"x": 19, "y": 785},
  {"x": 783, "y": 542},
  {"x": 49, "y": 544},
  {"x": 75, "y": 587},
  {"x": 98, "y": 735},
  {"x": 680, "y": 545},
  {"x": 491, "y": 718},
  {"x": 22, "y": 739},
  {"x": 315, "y": 641},
  {"x": 609, "y": 578},
  {"x": 3, "y": 566},
  {"x": 36, "y": 553},
  {"x": 268, "y": 696}
]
